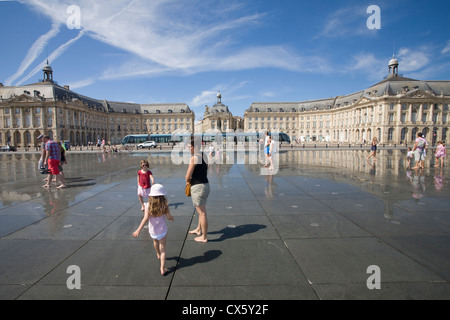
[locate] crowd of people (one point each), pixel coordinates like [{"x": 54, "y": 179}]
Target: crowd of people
[{"x": 417, "y": 153}]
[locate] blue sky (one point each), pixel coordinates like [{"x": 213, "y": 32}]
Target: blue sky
[{"x": 184, "y": 51}]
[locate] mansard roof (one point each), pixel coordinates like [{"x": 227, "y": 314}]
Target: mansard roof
[
  {"x": 390, "y": 87},
  {"x": 165, "y": 108},
  {"x": 394, "y": 85},
  {"x": 50, "y": 91},
  {"x": 219, "y": 108}
]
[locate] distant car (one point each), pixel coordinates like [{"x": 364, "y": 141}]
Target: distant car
[
  {"x": 8, "y": 148},
  {"x": 147, "y": 144}
]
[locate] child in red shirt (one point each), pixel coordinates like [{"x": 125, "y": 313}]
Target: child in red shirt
[{"x": 144, "y": 180}]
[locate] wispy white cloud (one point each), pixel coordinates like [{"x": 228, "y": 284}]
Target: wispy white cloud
[
  {"x": 52, "y": 57},
  {"x": 425, "y": 62},
  {"x": 82, "y": 83},
  {"x": 33, "y": 53},
  {"x": 203, "y": 98},
  {"x": 345, "y": 22},
  {"x": 180, "y": 37},
  {"x": 413, "y": 59},
  {"x": 208, "y": 97},
  {"x": 413, "y": 63},
  {"x": 367, "y": 63},
  {"x": 446, "y": 49}
]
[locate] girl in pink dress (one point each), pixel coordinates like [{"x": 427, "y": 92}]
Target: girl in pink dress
[{"x": 441, "y": 153}]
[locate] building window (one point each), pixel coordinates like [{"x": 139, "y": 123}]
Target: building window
[
  {"x": 424, "y": 117},
  {"x": 391, "y": 118},
  {"x": 435, "y": 117},
  {"x": 414, "y": 134},
  {"x": 390, "y": 134},
  {"x": 414, "y": 117},
  {"x": 403, "y": 134}
]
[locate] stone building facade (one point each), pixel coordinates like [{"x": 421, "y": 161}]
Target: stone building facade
[
  {"x": 219, "y": 118},
  {"x": 47, "y": 108},
  {"x": 393, "y": 110}
]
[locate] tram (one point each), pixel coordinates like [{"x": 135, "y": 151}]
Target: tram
[{"x": 135, "y": 139}]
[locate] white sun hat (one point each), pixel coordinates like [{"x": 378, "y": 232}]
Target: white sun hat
[{"x": 157, "y": 190}]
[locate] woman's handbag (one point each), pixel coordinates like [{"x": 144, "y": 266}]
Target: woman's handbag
[{"x": 187, "y": 190}]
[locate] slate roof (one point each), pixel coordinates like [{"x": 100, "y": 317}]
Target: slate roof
[
  {"x": 50, "y": 91},
  {"x": 391, "y": 86}
]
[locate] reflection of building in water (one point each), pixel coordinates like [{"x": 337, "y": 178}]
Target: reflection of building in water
[
  {"x": 389, "y": 162},
  {"x": 393, "y": 110},
  {"x": 18, "y": 166}
]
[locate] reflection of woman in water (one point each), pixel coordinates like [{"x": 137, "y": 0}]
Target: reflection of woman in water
[
  {"x": 373, "y": 169},
  {"x": 418, "y": 183},
  {"x": 439, "y": 179},
  {"x": 269, "y": 186}
]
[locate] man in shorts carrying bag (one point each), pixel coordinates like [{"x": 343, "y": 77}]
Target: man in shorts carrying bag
[
  {"x": 419, "y": 150},
  {"x": 53, "y": 158}
]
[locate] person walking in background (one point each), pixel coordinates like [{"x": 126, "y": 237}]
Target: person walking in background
[
  {"x": 419, "y": 149},
  {"x": 409, "y": 156},
  {"x": 197, "y": 175},
  {"x": 272, "y": 150},
  {"x": 155, "y": 210},
  {"x": 53, "y": 158},
  {"x": 441, "y": 153},
  {"x": 144, "y": 180},
  {"x": 373, "y": 149},
  {"x": 267, "y": 149},
  {"x": 41, "y": 163},
  {"x": 63, "y": 160}
]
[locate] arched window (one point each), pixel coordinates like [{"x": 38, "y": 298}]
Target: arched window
[{"x": 403, "y": 134}]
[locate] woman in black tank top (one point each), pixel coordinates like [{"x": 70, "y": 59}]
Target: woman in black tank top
[{"x": 197, "y": 175}]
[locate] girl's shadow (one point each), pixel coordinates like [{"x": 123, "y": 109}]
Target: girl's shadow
[{"x": 182, "y": 263}]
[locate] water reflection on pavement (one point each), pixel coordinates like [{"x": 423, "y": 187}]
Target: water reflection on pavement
[{"x": 385, "y": 177}]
